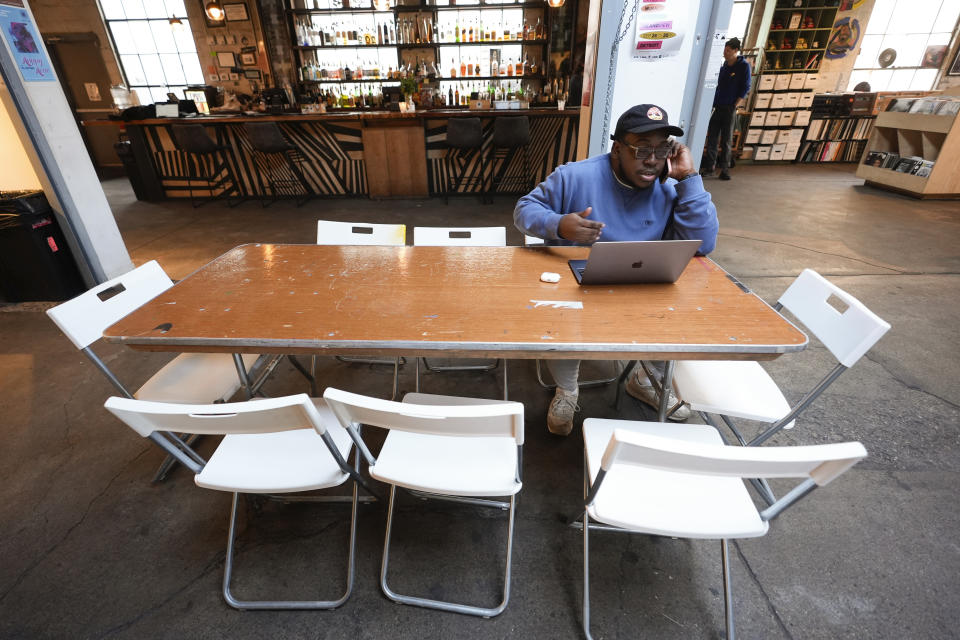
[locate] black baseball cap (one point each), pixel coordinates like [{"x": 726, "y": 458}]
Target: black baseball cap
[{"x": 643, "y": 118}]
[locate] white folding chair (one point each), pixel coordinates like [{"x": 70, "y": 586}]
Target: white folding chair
[
  {"x": 442, "y": 447},
  {"x": 681, "y": 480},
  {"x": 743, "y": 389},
  {"x": 361, "y": 233},
  {"x": 271, "y": 446},
  {"x": 367, "y": 234},
  {"x": 460, "y": 237},
  {"x": 192, "y": 378}
]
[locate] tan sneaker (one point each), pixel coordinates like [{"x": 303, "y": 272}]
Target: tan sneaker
[
  {"x": 645, "y": 393},
  {"x": 562, "y": 409}
]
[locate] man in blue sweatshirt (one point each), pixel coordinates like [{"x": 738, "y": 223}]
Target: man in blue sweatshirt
[
  {"x": 620, "y": 196},
  {"x": 733, "y": 85}
]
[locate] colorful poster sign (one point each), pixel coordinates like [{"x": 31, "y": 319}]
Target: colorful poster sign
[
  {"x": 659, "y": 33},
  {"x": 21, "y": 35},
  {"x": 843, "y": 38}
]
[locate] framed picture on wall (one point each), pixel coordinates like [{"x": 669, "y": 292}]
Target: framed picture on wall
[
  {"x": 251, "y": 74},
  {"x": 248, "y": 59},
  {"x": 226, "y": 59},
  {"x": 236, "y": 12},
  {"x": 954, "y": 69}
]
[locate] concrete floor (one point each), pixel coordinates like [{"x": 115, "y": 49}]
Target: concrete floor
[{"x": 89, "y": 548}]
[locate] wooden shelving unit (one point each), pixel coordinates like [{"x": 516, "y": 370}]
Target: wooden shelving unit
[
  {"x": 929, "y": 136},
  {"x": 798, "y": 35}
]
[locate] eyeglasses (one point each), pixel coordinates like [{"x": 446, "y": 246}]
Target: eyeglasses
[{"x": 661, "y": 151}]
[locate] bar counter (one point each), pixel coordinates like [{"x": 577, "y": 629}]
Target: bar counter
[{"x": 379, "y": 154}]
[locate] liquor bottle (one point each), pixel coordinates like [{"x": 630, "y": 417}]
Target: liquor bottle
[
  {"x": 526, "y": 30},
  {"x": 456, "y": 32},
  {"x": 450, "y": 96},
  {"x": 510, "y": 67},
  {"x": 470, "y": 37},
  {"x": 453, "y": 70},
  {"x": 457, "y": 96},
  {"x": 463, "y": 68}
]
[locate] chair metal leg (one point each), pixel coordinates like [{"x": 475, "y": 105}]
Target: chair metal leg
[
  {"x": 440, "y": 604},
  {"x": 586, "y": 576},
  {"x": 727, "y": 590},
  {"x": 287, "y": 604},
  {"x": 170, "y": 462},
  {"x": 584, "y": 384}
]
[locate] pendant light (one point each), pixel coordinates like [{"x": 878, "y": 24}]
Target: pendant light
[
  {"x": 555, "y": 4},
  {"x": 214, "y": 10}
]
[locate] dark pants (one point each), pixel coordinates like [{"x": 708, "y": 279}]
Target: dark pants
[{"x": 720, "y": 131}]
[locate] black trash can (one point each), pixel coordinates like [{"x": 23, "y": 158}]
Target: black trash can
[
  {"x": 35, "y": 261},
  {"x": 124, "y": 150}
]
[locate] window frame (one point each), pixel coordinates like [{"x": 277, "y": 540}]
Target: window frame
[{"x": 146, "y": 92}]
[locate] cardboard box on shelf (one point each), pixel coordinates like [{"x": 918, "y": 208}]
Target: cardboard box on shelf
[
  {"x": 802, "y": 118},
  {"x": 767, "y": 82},
  {"x": 757, "y": 118},
  {"x": 762, "y": 153},
  {"x": 769, "y": 136},
  {"x": 782, "y": 82},
  {"x": 786, "y": 118},
  {"x": 811, "y": 80},
  {"x": 776, "y": 152},
  {"x": 797, "y": 80},
  {"x": 792, "y": 101},
  {"x": 762, "y": 101},
  {"x": 753, "y": 136},
  {"x": 783, "y": 136},
  {"x": 806, "y": 100},
  {"x": 778, "y": 101}
]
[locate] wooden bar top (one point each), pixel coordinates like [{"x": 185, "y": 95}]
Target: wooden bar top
[
  {"x": 335, "y": 114},
  {"x": 459, "y": 301}
]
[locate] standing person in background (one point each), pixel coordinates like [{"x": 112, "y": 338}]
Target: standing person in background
[{"x": 733, "y": 85}]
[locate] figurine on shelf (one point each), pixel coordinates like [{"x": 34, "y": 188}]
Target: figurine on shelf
[
  {"x": 786, "y": 44},
  {"x": 777, "y": 24},
  {"x": 771, "y": 45},
  {"x": 808, "y": 23},
  {"x": 801, "y": 43}
]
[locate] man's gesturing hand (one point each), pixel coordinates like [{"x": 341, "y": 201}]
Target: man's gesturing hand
[{"x": 576, "y": 228}]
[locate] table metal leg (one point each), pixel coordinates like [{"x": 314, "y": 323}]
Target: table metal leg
[{"x": 666, "y": 384}]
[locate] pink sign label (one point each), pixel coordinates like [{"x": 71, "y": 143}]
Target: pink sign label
[
  {"x": 666, "y": 24},
  {"x": 650, "y": 45}
]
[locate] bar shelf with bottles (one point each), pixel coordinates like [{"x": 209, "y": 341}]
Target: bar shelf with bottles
[{"x": 444, "y": 47}]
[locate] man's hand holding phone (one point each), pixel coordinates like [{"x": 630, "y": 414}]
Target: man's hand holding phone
[
  {"x": 679, "y": 163},
  {"x": 577, "y": 228}
]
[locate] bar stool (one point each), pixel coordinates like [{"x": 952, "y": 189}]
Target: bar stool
[
  {"x": 212, "y": 166},
  {"x": 511, "y": 134},
  {"x": 465, "y": 139},
  {"x": 276, "y": 159}
]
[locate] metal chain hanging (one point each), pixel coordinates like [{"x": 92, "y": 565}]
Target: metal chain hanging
[{"x": 622, "y": 30}]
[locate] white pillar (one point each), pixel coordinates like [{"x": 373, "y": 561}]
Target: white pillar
[{"x": 48, "y": 132}]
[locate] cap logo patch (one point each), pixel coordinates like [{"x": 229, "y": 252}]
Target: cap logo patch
[{"x": 654, "y": 114}]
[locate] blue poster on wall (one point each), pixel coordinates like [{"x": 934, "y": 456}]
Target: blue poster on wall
[{"x": 21, "y": 35}]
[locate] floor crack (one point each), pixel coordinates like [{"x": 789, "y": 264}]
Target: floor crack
[
  {"x": 43, "y": 556},
  {"x": 763, "y": 592},
  {"x": 822, "y": 253},
  {"x": 911, "y": 387}
]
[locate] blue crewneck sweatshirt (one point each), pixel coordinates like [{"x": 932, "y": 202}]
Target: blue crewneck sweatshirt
[{"x": 669, "y": 211}]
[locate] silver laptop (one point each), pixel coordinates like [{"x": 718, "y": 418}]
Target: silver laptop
[{"x": 648, "y": 262}]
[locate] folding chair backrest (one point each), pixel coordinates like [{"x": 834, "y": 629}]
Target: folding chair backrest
[
  {"x": 84, "y": 318},
  {"x": 459, "y": 236},
  {"x": 361, "y": 233},
  {"x": 266, "y": 415},
  {"x": 821, "y": 463},
  {"x": 849, "y": 333},
  {"x": 532, "y": 241},
  {"x": 503, "y": 419}
]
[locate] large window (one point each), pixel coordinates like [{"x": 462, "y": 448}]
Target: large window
[
  {"x": 158, "y": 54},
  {"x": 740, "y": 19},
  {"x": 904, "y": 44}
]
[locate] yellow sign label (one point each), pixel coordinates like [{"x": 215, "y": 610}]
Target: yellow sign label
[{"x": 658, "y": 35}]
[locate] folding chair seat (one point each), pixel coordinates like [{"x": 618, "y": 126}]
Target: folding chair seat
[
  {"x": 443, "y": 447},
  {"x": 745, "y": 390},
  {"x": 461, "y": 237},
  {"x": 270, "y": 446},
  {"x": 681, "y": 480},
  {"x": 192, "y": 378},
  {"x": 365, "y": 234}
]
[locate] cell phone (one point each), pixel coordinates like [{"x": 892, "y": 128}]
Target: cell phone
[{"x": 666, "y": 171}]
